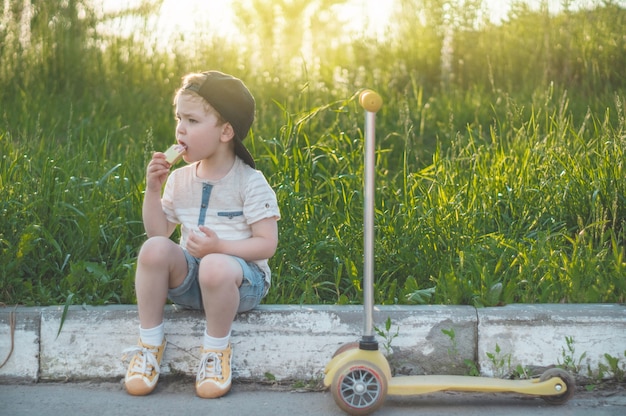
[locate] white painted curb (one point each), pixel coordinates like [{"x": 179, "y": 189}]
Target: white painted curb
[{"x": 288, "y": 342}]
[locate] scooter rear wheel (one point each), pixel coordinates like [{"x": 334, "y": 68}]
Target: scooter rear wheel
[
  {"x": 567, "y": 378},
  {"x": 359, "y": 388}
]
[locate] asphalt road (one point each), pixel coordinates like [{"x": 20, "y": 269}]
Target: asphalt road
[{"x": 177, "y": 397}]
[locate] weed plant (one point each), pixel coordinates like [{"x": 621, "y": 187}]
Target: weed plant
[{"x": 501, "y": 180}]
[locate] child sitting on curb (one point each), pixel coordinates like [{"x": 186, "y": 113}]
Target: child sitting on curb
[{"x": 228, "y": 215}]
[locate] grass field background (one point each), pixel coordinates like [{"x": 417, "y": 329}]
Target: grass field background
[{"x": 500, "y": 150}]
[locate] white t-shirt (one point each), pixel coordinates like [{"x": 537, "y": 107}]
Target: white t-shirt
[{"x": 228, "y": 206}]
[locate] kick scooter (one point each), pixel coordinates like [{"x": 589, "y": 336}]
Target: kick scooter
[{"x": 359, "y": 376}]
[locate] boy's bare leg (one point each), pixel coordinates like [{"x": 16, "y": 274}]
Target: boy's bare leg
[
  {"x": 161, "y": 265},
  {"x": 220, "y": 277}
]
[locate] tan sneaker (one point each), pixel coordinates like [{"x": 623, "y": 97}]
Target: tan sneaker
[
  {"x": 214, "y": 375},
  {"x": 143, "y": 370}
]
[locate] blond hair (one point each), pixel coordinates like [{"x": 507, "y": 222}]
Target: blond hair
[{"x": 198, "y": 79}]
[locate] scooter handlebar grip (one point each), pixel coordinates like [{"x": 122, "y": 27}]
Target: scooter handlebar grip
[{"x": 370, "y": 101}]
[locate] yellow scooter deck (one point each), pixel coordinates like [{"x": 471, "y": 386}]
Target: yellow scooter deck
[{"x": 413, "y": 385}]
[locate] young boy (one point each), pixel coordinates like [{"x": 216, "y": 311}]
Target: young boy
[{"x": 228, "y": 215}]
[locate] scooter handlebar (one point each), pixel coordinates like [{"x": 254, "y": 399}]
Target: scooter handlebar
[{"x": 370, "y": 101}]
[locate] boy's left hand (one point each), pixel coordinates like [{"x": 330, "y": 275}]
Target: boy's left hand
[{"x": 199, "y": 244}]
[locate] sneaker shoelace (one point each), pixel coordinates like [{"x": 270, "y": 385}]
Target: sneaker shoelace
[
  {"x": 145, "y": 357},
  {"x": 210, "y": 366}
]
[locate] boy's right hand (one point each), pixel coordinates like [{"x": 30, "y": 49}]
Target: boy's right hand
[{"x": 157, "y": 172}]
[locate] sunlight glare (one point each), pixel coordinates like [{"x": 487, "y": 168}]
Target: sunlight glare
[
  {"x": 198, "y": 17},
  {"x": 184, "y": 19}
]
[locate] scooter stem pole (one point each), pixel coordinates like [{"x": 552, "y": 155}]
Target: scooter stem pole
[
  {"x": 368, "y": 223},
  {"x": 371, "y": 102}
]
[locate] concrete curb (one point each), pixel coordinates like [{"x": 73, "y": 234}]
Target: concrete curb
[{"x": 289, "y": 342}]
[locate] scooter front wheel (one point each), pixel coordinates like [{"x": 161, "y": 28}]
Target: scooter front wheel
[
  {"x": 567, "y": 378},
  {"x": 359, "y": 388},
  {"x": 346, "y": 347}
]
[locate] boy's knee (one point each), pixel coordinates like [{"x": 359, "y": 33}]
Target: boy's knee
[
  {"x": 155, "y": 250},
  {"x": 216, "y": 270}
]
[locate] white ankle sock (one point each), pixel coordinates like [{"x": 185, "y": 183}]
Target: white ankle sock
[
  {"x": 153, "y": 336},
  {"x": 211, "y": 343}
]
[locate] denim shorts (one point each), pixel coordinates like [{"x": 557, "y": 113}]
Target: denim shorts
[{"x": 189, "y": 296}]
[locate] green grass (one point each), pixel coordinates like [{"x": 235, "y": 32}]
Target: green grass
[{"x": 504, "y": 184}]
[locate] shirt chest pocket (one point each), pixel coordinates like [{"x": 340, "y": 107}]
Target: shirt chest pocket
[{"x": 230, "y": 214}]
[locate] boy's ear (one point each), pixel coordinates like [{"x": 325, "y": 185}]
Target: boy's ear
[{"x": 227, "y": 131}]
